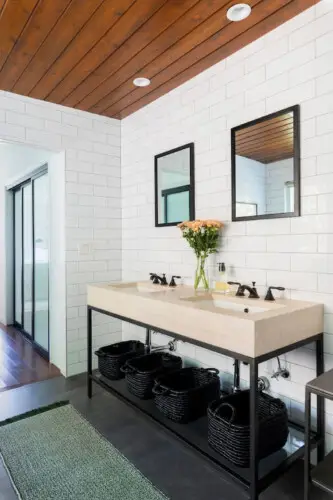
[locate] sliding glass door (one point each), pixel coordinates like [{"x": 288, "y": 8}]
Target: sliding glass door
[
  {"x": 27, "y": 258},
  {"x": 31, "y": 259},
  {"x": 41, "y": 261}
]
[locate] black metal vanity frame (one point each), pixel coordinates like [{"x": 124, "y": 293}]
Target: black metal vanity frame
[{"x": 248, "y": 478}]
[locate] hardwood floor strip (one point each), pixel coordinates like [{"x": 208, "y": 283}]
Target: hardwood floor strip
[
  {"x": 71, "y": 21},
  {"x": 129, "y": 23},
  {"x": 282, "y": 15},
  {"x": 168, "y": 14},
  {"x": 98, "y": 25},
  {"x": 35, "y": 32},
  {"x": 20, "y": 362},
  {"x": 13, "y": 18}
]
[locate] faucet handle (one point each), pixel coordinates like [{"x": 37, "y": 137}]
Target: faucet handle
[
  {"x": 240, "y": 291},
  {"x": 269, "y": 294},
  {"x": 172, "y": 282},
  {"x": 154, "y": 278}
]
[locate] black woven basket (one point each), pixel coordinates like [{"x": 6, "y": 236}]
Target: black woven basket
[
  {"x": 142, "y": 371},
  {"x": 112, "y": 357},
  {"x": 185, "y": 394},
  {"x": 229, "y": 426}
]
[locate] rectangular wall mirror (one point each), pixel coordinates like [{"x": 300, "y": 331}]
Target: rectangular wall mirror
[
  {"x": 174, "y": 186},
  {"x": 265, "y": 157}
]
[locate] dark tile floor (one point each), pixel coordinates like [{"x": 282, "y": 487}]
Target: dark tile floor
[
  {"x": 20, "y": 362},
  {"x": 171, "y": 466}
]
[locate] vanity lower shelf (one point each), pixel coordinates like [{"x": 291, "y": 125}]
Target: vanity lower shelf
[{"x": 194, "y": 434}]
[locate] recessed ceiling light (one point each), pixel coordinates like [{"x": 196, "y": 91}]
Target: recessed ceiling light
[
  {"x": 239, "y": 12},
  {"x": 141, "y": 82}
]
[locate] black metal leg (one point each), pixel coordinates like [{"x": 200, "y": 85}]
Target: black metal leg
[
  {"x": 148, "y": 340},
  {"x": 254, "y": 461},
  {"x": 89, "y": 346},
  {"x": 236, "y": 375},
  {"x": 307, "y": 450},
  {"x": 320, "y": 400}
]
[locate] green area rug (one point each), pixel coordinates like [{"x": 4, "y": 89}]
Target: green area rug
[{"x": 55, "y": 454}]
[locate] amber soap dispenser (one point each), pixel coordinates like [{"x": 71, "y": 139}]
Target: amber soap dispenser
[{"x": 221, "y": 282}]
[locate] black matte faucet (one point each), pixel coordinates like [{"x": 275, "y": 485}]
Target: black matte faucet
[
  {"x": 158, "y": 279},
  {"x": 253, "y": 294},
  {"x": 269, "y": 295}
]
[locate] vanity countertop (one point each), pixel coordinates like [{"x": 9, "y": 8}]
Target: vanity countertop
[{"x": 251, "y": 327}]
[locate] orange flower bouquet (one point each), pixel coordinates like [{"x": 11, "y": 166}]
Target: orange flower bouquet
[{"x": 202, "y": 236}]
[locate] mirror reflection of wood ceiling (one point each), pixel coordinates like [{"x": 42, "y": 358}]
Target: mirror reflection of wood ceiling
[{"x": 267, "y": 141}]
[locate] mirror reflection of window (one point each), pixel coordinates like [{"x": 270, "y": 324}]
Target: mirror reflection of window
[
  {"x": 174, "y": 181},
  {"x": 289, "y": 196},
  {"x": 264, "y": 165}
]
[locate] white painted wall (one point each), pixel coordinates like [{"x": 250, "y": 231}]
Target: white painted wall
[
  {"x": 91, "y": 145},
  {"x": 290, "y": 65}
]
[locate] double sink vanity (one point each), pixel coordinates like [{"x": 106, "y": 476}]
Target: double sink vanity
[
  {"x": 245, "y": 329},
  {"x": 265, "y": 184}
]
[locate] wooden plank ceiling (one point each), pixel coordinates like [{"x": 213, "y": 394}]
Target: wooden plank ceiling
[
  {"x": 267, "y": 141},
  {"x": 86, "y": 53}
]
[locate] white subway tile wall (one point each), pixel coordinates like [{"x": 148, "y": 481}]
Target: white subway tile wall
[
  {"x": 290, "y": 65},
  {"x": 93, "y": 204}
]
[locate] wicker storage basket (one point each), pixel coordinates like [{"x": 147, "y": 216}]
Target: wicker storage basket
[
  {"x": 142, "y": 371},
  {"x": 229, "y": 426},
  {"x": 112, "y": 357},
  {"x": 184, "y": 395}
]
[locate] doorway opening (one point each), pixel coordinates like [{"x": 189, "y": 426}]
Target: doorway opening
[{"x": 31, "y": 259}]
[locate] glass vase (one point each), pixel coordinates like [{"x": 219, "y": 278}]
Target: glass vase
[{"x": 201, "y": 278}]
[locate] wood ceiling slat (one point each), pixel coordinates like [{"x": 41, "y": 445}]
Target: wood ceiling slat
[
  {"x": 280, "y": 121},
  {"x": 69, "y": 24},
  {"x": 265, "y": 138},
  {"x": 130, "y": 22},
  {"x": 274, "y": 156},
  {"x": 273, "y": 159},
  {"x": 266, "y": 152},
  {"x": 13, "y": 18},
  {"x": 188, "y": 47},
  {"x": 101, "y": 21},
  {"x": 180, "y": 28},
  {"x": 172, "y": 63},
  {"x": 265, "y": 135},
  {"x": 282, "y": 144},
  {"x": 282, "y": 15},
  {"x": 85, "y": 53},
  {"x": 34, "y": 33}
]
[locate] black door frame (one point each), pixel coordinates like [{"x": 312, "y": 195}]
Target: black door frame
[{"x": 25, "y": 181}]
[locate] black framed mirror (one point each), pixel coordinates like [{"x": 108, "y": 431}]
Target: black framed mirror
[
  {"x": 265, "y": 167},
  {"x": 174, "y": 186}
]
